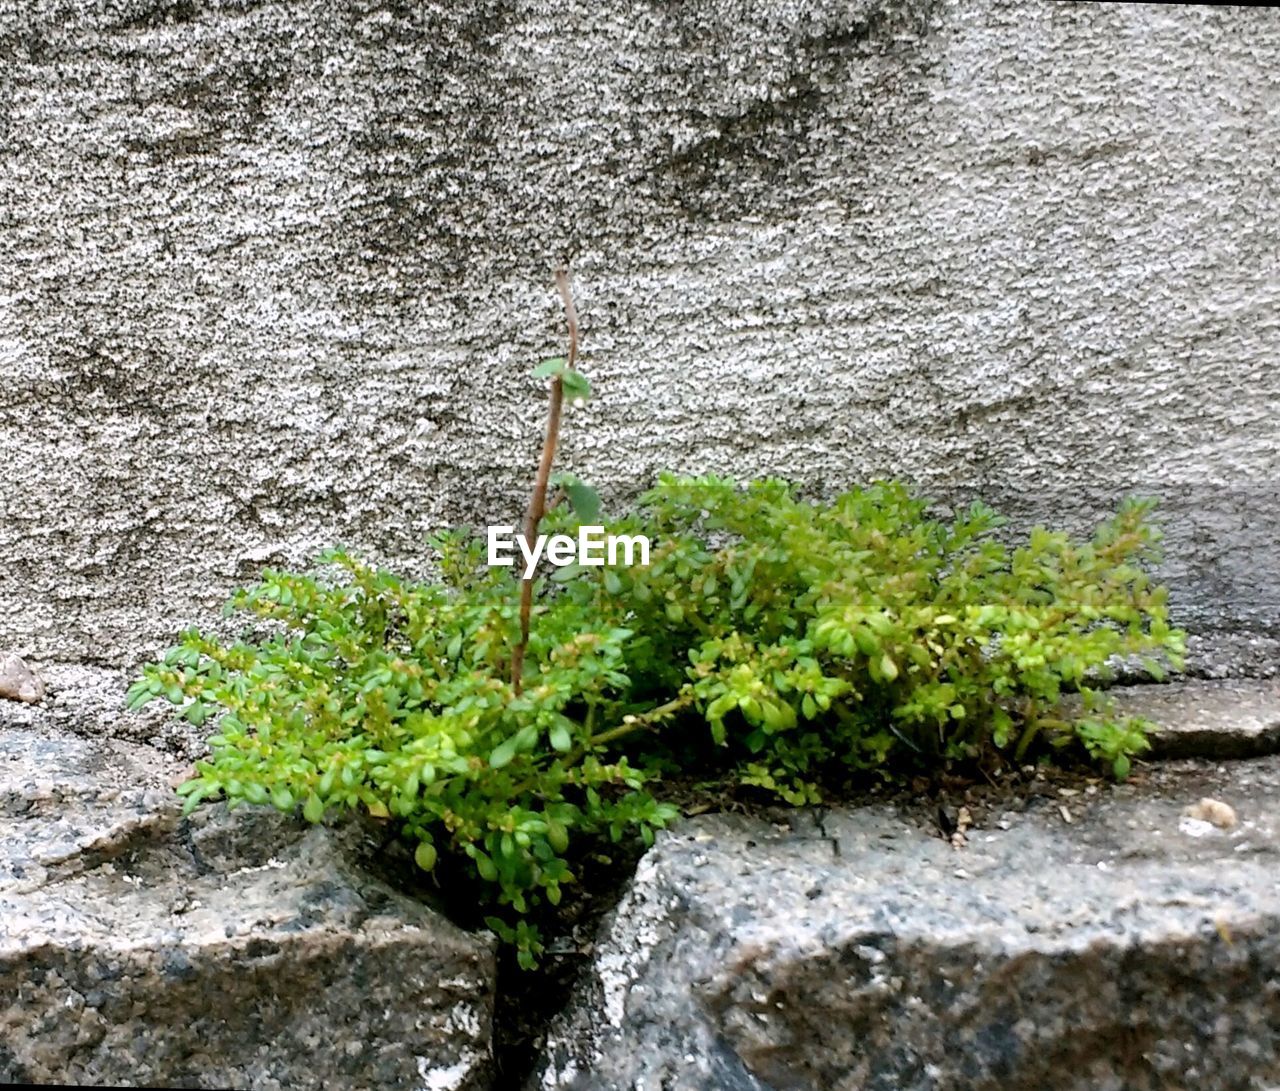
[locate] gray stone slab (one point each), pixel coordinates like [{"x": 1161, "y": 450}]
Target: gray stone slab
[
  {"x": 1238, "y": 654},
  {"x": 1221, "y": 719},
  {"x": 89, "y": 702},
  {"x": 1133, "y": 948},
  {"x": 241, "y": 949}
]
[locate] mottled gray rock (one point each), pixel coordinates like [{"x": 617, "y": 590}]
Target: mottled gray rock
[
  {"x": 89, "y": 702},
  {"x": 1232, "y": 655},
  {"x": 272, "y": 275},
  {"x": 236, "y": 949},
  {"x": 1226, "y": 719},
  {"x": 1132, "y": 949},
  {"x": 18, "y": 682}
]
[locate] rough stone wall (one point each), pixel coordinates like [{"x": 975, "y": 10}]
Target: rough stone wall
[{"x": 272, "y": 275}]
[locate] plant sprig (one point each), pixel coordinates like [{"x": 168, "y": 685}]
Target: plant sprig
[{"x": 797, "y": 636}]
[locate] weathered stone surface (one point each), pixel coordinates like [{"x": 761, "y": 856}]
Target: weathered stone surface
[
  {"x": 272, "y": 275},
  {"x": 228, "y": 950},
  {"x": 18, "y": 682},
  {"x": 1233, "y": 655},
  {"x": 1133, "y": 949},
  {"x": 89, "y": 702},
  {"x": 1227, "y": 719}
]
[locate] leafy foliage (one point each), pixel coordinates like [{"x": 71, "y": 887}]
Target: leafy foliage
[{"x": 799, "y": 636}]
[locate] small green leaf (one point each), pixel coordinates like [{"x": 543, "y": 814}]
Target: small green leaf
[
  {"x": 501, "y": 929},
  {"x": 502, "y": 754},
  {"x": 888, "y": 667},
  {"x": 313, "y": 809},
  {"x": 557, "y": 835},
  {"x": 194, "y": 798},
  {"x": 486, "y": 867},
  {"x": 138, "y": 695},
  {"x": 548, "y": 369},
  {"x": 425, "y": 855},
  {"x": 561, "y": 740},
  {"x": 575, "y": 385},
  {"x": 585, "y": 500}
]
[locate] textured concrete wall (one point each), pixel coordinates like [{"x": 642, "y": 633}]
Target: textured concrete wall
[{"x": 272, "y": 275}]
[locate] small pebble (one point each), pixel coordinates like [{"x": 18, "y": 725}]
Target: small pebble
[
  {"x": 1215, "y": 812},
  {"x": 18, "y": 682}
]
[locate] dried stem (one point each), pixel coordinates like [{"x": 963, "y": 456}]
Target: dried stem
[{"x": 538, "y": 502}]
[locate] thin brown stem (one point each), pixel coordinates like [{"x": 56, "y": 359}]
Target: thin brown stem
[
  {"x": 538, "y": 502},
  {"x": 570, "y": 313},
  {"x": 642, "y": 722}
]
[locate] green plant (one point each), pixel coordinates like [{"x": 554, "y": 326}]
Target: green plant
[
  {"x": 499, "y": 721},
  {"x": 855, "y": 630}
]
